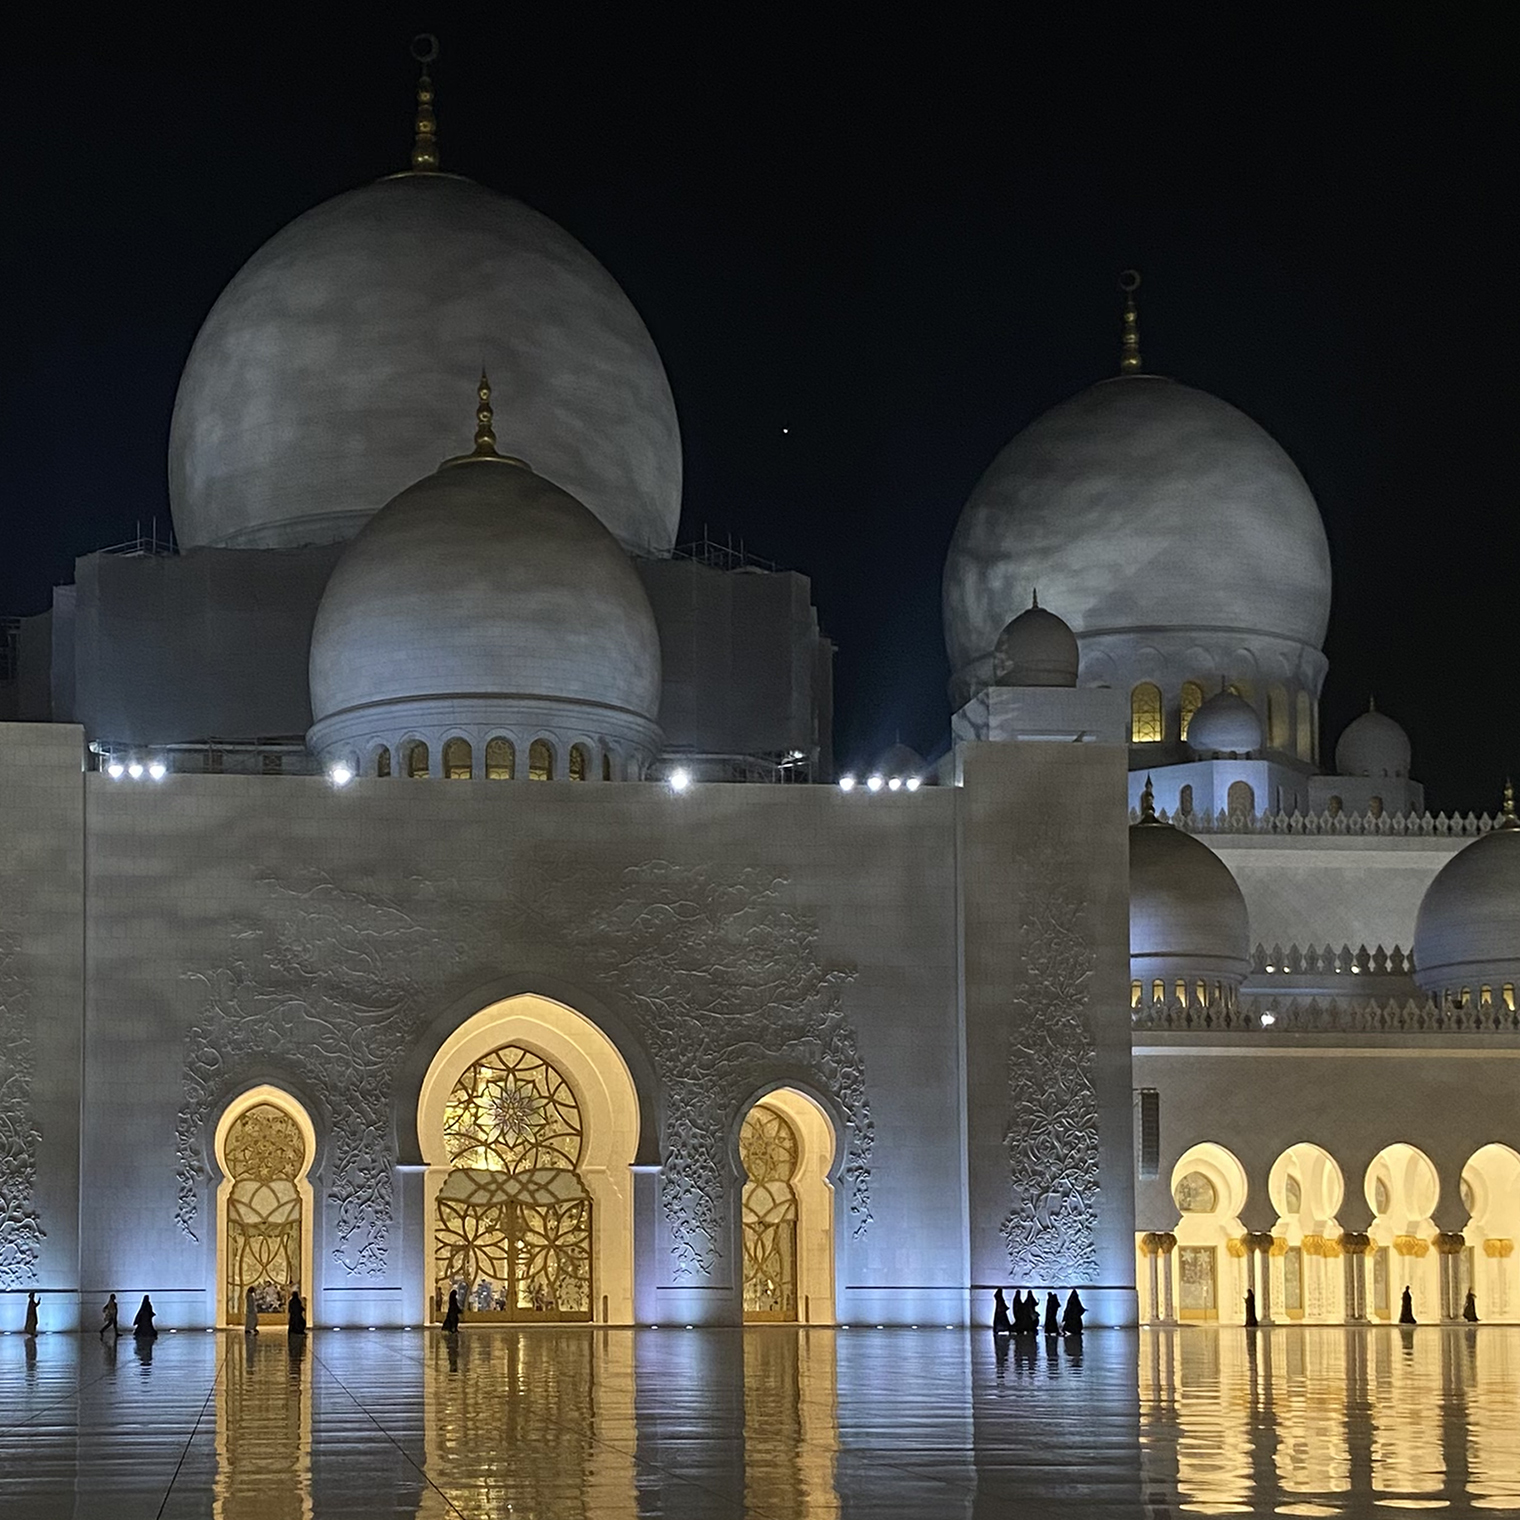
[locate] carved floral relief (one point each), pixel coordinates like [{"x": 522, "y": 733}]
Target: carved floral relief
[{"x": 21, "y": 1231}]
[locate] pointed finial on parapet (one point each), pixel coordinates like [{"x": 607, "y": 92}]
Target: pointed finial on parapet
[
  {"x": 1148, "y": 803},
  {"x": 1371, "y": 702},
  {"x": 425, "y": 145},
  {"x": 1129, "y": 350},
  {"x": 1034, "y": 600},
  {"x": 1507, "y": 819}
]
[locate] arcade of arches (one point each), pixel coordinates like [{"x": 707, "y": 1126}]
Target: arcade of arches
[
  {"x": 529, "y": 1124},
  {"x": 1311, "y": 1268}
]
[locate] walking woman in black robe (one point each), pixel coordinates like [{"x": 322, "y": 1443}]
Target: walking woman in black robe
[
  {"x": 1406, "y": 1308},
  {"x": 1052, "y": 1314},
  {"x": 1071, "y": 1319},
  {"x": 451, "y": 1317},
  {"x": 142, "y": 1322},
  {"x": 1001, "y": 1325}
]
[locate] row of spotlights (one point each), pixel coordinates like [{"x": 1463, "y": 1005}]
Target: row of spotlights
[
  {"x": 875, "y": 783},
  {"x": 116, "y": 769}
]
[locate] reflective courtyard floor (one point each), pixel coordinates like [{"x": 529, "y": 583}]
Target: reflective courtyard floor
[{"x": 766, "y": 1422}]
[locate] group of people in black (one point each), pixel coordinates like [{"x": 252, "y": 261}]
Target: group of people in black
[{"x": 1024, "y": 1318}]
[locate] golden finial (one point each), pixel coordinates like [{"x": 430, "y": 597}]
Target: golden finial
[
  {"x": 425, "y": 148},
  {"x": 1507, "y": 819},
  {"x": 485, "y": 434},
  {"x": 1129, "y": 350},
  {"x": 1371, "y": 702},
  {"x": 1148, "y": 803},
  {"x": 1034, "y": 600}
]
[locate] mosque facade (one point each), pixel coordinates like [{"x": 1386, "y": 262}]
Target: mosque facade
[{"x": 1128, "y": 990}]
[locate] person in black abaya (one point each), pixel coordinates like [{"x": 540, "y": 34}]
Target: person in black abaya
[
  {"x": 297, "y": 1320},
  {"x": 1001, "y": 1324},
  {"x": 451, "y": 1318},
  {"x": 1251, "y": 1320},
  {"x": 1071, "y": 1318},
  {"x": 142, "y": 1322},
  {"x": 1470, "y": 1308},
  {"x": 1052, "y": 1314},
  {"x": 1406, "y": 1308}
]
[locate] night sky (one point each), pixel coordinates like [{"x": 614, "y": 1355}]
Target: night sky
[{"x": 900, "y": 246}]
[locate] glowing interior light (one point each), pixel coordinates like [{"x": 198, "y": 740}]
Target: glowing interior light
[
  {"x": 912, "y": 783},
  {"x": 895, "y": 784},
  {"x": 341, "y": 775},
  {"x": 874, "y": 784},
  {"x": 135, "y": 770},
  {"x": 680, "y": 779},
  {"x": 116, "y": 770},
  {"x": 846, "y": 783},
  {"x": 158, "y": 770}
]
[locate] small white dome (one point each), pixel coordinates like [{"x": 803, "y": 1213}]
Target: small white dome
[
  {"x": 485, "y": 596},
  {"x": 1372, "y": 745},
  {"x": 1187, "y": 915},
  {"x": 1226, "y": 724},
  {"x": 1036, "y": 649},
  {"x": 1467, "y": 932},
  {"x": 900, "y": 761}
]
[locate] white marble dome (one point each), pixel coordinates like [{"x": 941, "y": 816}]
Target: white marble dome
[
  {"x": 1372, "y": 745},
  {"x": 325, "y": 378},
  {"x": 483, "y": 601},
  {"x": 1036, "y": 649},
  {"x": 1187, "y": 915},
  {"x": 1467, "y": 932},
  {"x": 1150, "y": 514},
  {"x": 1225, "y": 724}
]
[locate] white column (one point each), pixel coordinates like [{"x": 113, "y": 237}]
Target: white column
[
  {"x": 1264, "y": 1307},
  {"x": 1153, "y": 1260},
  {"x": 1168, "y": 1243}
]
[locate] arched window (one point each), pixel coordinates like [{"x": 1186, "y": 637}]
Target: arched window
[
  {"x": 1195, "y": 1194},
  {"x": 540, "y": 761},
  {"x": 1158, "y": 991},
  {"x": 768, "y": 1151},
  {"x": 1277, "y": 717},
  {"x": 458, "y": 760},
  {"x": 382, "y": 761},
  {"x": 501, "y": 759},
  {"x": 417, "y": 759},
  {"x": 1185, "y": 800},
  {"x": 1192, "y": 700},
  {"x": 1145, "y": 726},
  {"x": 266, "y": 1159},
  {"x": 1136, "y": 993},
  {"x": 1305, "y": 727},
  {"x": 580, "y": 762},
  {"x": 513, "y": 1230},
  {"x": 1241, "y": 800},
  {"x": 606, "y": 765}
]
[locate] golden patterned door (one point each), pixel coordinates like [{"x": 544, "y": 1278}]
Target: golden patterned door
[
  {"x": 265, "y": 1154},
  {"x": 768, "y": 1152},
  {"x": 512, "y": 1233}
]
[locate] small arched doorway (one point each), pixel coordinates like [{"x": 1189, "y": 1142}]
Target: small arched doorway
[
  {"x": 1209, "y": 1189},
  {"x": 786, "y": 1147},
  {"x": 1306, "y": 1188},
  {"x": 528, "y": 1121},
  {"x": 265, "y": 1146},
  {"x": 1402, "y": 1188}
]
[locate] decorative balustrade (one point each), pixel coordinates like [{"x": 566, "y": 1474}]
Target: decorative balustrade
[
  {"x": 1385, "y": 825},
  {"x": 1326, "y": 960},
  {"x": 1257, "y": 1014}
]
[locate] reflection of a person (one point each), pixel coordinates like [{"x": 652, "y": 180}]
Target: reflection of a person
[
  {"x": 451, "y": 1319},
  {"x": 1406, "y": 1308}
]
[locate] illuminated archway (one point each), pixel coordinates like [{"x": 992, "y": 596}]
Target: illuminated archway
[
  {"x": 1491, "y": 1195},
  {"x": 1309, "y": 1283},
  {"x": 1207, "y": 1269},
  {"x": 265, "y": 1146},
  {"x": 529, "y": 1122},
  {"x": 1401, "y": 1189},
  {"x": 786, "y": 1148}
]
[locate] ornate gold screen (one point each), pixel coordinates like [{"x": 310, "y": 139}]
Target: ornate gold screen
[
  {"x": 768, "y": 1153},
  {"x": 513, "y": 1230},
  {"x": 266, "y": 1156}
]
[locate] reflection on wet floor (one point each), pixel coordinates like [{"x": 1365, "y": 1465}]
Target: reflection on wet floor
[{"x": 771, "y": 1421}]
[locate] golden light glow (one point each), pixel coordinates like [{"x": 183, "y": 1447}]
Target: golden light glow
[
  {"x": 540, "y": 761},
  {"x": 1146, "y": 724},
  {"x": 1191, "y": 701},
  {"x": 265, "y": 1154},
  {"x": 501, "y": 759},
  {"x": 768, "y": 1152},
  {"x": 458, "y": 760}
]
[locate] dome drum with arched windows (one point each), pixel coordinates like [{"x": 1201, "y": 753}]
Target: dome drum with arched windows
[
  {"x": 1467, "y": 932},
  {"x": 485, "y": 604},
  {"x": 1188, "y": 928}
]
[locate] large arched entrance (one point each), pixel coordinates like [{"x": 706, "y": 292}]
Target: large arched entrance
[
  {"x": 1209, "y": 1189},
  {"x": 265, "y": 1145},
  {"x": 786, "y": 1147},
  {"x": 529, "y": 1123}
]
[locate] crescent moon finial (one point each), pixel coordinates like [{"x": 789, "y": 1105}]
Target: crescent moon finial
[
  {"x": 1129, "y": 349},
  {"x": 425, "y": 143}
]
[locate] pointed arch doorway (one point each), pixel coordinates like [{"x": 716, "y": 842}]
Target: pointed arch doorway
[
  {"x": 786, "y": 1148},
  {"x": 265, "y": 1146},
  {"x": 529, "y": 1124}
]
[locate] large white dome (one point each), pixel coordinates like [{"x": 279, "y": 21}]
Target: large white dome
[
  {"x": 484, "y": 599},
  {"x": 1467, "y": 932},
  {"x": 1145, "y": 509},
  {"x": 325, "y": 378}
]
